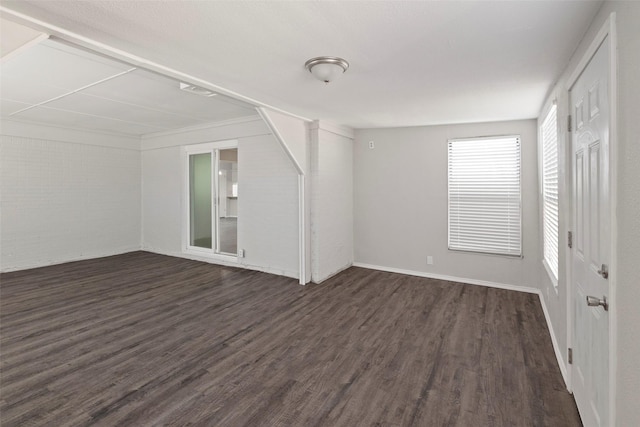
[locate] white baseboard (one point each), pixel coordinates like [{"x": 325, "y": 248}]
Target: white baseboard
[
  {"x": 554, "y": 341},
  {"x": 46, "y": 263},
  {"x": 509, "y": 287},
  {"x": 527, "y": 289},
  {"x": 279, "y": 272}
]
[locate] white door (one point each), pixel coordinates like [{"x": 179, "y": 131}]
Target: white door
[{"x": 589, "y": 98}]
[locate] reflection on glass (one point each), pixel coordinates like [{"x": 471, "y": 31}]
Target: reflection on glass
[
  {"x": 228, "y": 202},
  {"x": 200, "y": 200}
]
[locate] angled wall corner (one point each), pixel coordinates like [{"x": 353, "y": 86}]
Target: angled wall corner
[{"x": 293, "y": 136}]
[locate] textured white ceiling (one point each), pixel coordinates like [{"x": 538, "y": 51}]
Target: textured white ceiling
[
  {"x": 57, "y": 84},
  {"x": 412, "y": 63}
]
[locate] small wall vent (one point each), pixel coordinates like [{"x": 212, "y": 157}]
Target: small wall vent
[{"x": 197, "y": 90}]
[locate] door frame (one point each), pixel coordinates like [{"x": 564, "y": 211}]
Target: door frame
[
  {"x": 213, "y": 148},
  {"x": 608, "y": 29}
]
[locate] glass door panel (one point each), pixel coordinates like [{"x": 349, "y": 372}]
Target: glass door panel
[
  {"x": 200, "y": 201},
  {"x": 227, "y": 212}
]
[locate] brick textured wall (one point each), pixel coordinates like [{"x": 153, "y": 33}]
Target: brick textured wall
[
  {"x": 267, "y": 202},
  {"x": 331, "y": 204},
  {"x": 66, "y": 201},
  {"x": 267, "y": 206}
]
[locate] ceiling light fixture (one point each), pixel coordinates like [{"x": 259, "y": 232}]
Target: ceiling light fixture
[
  {"x": 196, "y": 89},
  {"x": 326, "y": 68}
]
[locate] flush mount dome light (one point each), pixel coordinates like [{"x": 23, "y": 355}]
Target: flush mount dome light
[
  {"x": 196, "y": 89},
  {"x": 326, "y": 68}
]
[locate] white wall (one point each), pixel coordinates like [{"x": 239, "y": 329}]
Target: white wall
[
  {"x": 267, "y": 195},
  {"x": 331, "y": 201},
  {"x": 293, "y": 135},
  {"x": 267, "y": 206},
  {"x": 72, "y": 198},
  {"x": 627, "y": 272},
  {"x": 162, "y": 186},
  {"x": 400, "y": 209},
  {"x": 628, "y": 181}
]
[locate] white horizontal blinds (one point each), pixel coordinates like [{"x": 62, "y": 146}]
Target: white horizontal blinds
[
  {"x": 549, "y": 133},
  {"x": 484, "y": 195}
]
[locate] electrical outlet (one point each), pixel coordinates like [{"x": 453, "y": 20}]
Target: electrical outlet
[
  {"x": 371, "y": 145},
  {"x": 429, "y": 260},
  {"x": 241, "y": 253}
]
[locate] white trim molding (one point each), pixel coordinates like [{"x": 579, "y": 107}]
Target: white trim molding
[
  {"x": 448, "y": 278},
  {"x": 302, "y": 244}
]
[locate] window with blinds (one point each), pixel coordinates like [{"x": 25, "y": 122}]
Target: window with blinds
[
  {"x": 549, "y": 135},
  {"x": 484, "y": 195}
]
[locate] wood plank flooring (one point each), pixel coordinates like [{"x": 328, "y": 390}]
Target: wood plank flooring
[{"x": 144, "y": 340}]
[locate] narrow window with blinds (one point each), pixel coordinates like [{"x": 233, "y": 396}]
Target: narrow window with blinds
[
  {"x": 484, "y": 195},
  {"x": 549, "y": 135}
]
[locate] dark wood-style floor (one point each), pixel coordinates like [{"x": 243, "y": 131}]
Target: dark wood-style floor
[{"x": 143, "y": 339}]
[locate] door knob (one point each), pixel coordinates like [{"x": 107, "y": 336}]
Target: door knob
[
  {"x": 604, "y": 271},
  {"x": 595, "y": 301}
]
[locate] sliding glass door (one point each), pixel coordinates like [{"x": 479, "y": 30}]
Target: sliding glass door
[
  {"x": 227, "y": 215},
  {"x": 212, "y": 208},
  {"x": 200, "y": 201}
]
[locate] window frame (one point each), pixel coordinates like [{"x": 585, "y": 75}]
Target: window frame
[
  {"x": 553, "y": 275},
  {"x": 517, "y": 138}
]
